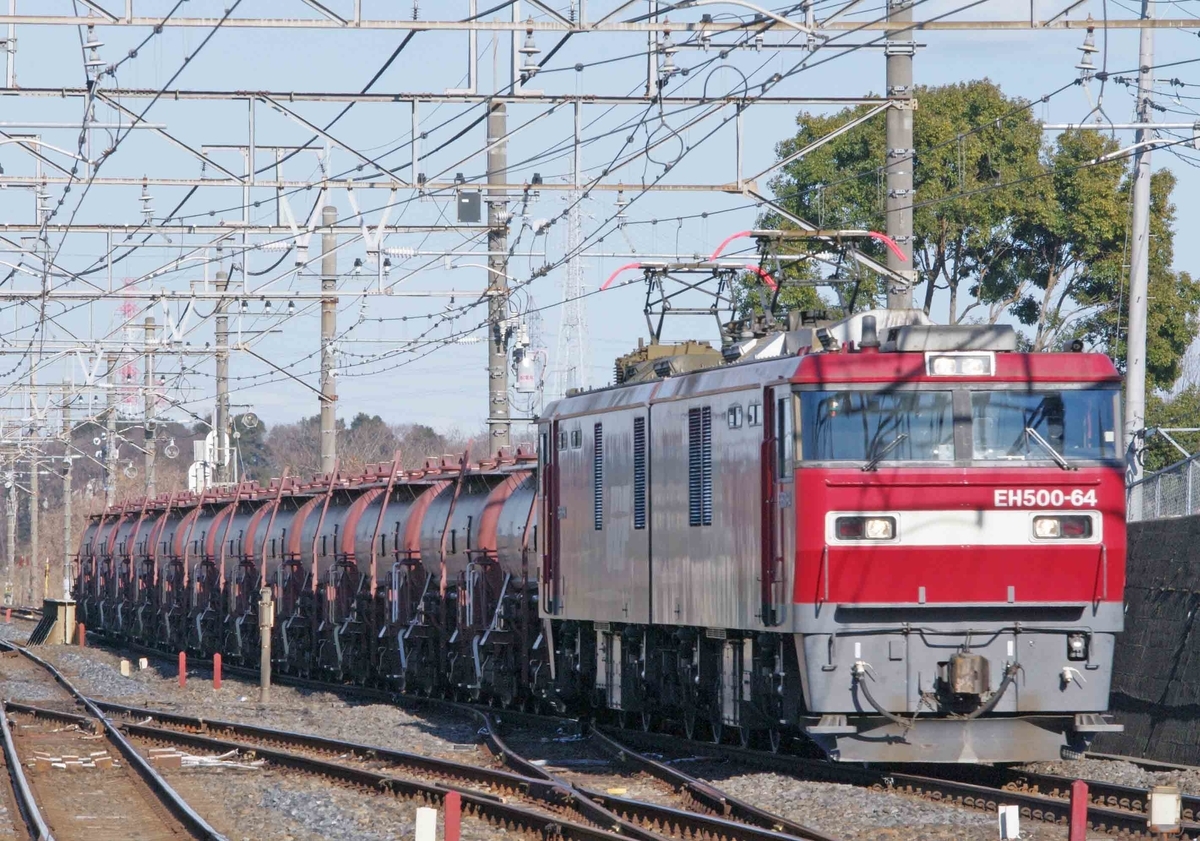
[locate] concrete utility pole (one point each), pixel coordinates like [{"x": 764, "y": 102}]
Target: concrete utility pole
[
  {"x": 68, "y": 437},
  {"x": 329, "y": 301},
  {"x": 497, "y": 173},
  {"x": 150, "y": 421},
  {"x": 221, "y": 419},
  {"x": 1139, "y": 265},
  {"x": 110, "y": 438},
  {"x": 899, "y": 50}
]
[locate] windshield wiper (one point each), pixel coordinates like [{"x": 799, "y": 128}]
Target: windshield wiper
[
  {"x": 878, "y": 457},
  {"x": 1058, "y": 457}
]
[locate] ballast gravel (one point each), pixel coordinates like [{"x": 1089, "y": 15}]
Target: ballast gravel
[
  {"x": 269, "y": 805},
  {"x": 1120, "y": 773},
  {"x": 97, "y": 673},
  {"x": 853, "y": 814}
]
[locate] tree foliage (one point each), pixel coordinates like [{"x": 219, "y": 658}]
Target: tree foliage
[
  {"x": 1181, "y": 411},
  {"x": 1006, "y": 225}
]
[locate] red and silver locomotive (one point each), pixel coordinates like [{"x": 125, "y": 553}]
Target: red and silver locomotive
[
  {"x": 911, "y": 545},
  {"x": 905, "y": 541}
]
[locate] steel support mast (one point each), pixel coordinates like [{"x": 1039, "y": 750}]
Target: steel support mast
[
  {"x": 1139, "y": 266},
  {"x": 221, "y": 419},
  {"x": 150, "y": 421},
  {"x": 110, "y": 433},
  {"x": 899, "y": 164},
  {"x": 497, "y": 173},
  {"x": 329, "y": 242},
  {"x": 68, "y": 460}
]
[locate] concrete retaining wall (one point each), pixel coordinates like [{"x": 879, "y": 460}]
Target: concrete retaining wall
[{"x": 1156, "y": 671}]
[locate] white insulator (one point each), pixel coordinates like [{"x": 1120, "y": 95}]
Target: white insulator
[
  {"x": 282, "y": 245},
  {"x": 402, "y": 253}
]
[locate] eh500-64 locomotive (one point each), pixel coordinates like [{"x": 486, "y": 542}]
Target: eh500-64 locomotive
[{"x": 904, "y": 541}]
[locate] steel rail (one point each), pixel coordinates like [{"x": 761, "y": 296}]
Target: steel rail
[
  {"x": 188, "y": 817},
  {"x": 554, "y": 797},
  {"x": 533, "y": 781},
  {"x": 635, "y": 815},
  {"x": 705, "y": 794},
  {"x": 426, "y": 764},
  {"x": 945, "y": 789},
  {"x": 1100, "y": 792},
  {"x": 26, "y": 802}
]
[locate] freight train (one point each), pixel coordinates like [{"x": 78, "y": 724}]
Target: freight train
[{"x": 902, "y": 541}]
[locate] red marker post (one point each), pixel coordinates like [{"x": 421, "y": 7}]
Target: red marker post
[
  {"x": 1079, "y": 807},
  {"x": 81, "y": 629},
  {"x": 8, "y": 616},
  {"x": 452, "y": 829},
  {"x": 216, "y": 671},
  {"x": 183, "y": 668}
]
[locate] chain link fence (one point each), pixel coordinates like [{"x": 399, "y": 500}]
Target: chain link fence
[{"x": 1171, "y": 492}]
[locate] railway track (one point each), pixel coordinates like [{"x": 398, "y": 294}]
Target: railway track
[
  {"x": 1113, "y": 809},
  {"x": 86, "y": 780},
  {"x": 546, "y": 799},
  {"x": 26, "y": 614}
]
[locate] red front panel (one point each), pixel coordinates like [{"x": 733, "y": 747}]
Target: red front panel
[{"x": 936, "y": 507}]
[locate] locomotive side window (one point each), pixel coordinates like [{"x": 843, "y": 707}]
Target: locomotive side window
[
  {"x": 754, "y": 414},
  {"x": 700, "y": 491},
  {"x": 1078, "y": 424},
  {"x": 734, "y": 416},
  {"x": 562, "y": 439},
  {"x": 576, "y": 438},
  {"x": 784, "y": 437},
  {"x": 863, "y": 425},
  {"x": 598, "y": 476}
]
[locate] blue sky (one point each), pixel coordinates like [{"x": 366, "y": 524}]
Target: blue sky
[{"x": 447, "y": 387}]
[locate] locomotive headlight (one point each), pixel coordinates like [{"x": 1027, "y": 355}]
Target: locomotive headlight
[
  {"x": 865, "y": 528},
  {"x": 879, "y": 528},
  {"x": 1077, "y": 647},
  {"x": 1046, "y": 528},
  {"x": 1062, "y": 527},
  {"x": 960, "y": 364},
  {"x": 973, "y": 366},
  {"x": 943, "y": 366}
]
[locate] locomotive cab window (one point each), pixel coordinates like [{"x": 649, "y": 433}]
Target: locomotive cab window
[
  {"x": 1075, "y": 423},
  {"x": 869, "y": 425}
]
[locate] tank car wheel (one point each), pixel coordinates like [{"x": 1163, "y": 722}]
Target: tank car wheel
[
  {"x": 716, "y": 731},
  {"x": 774, "y": 739},
  {"x": 689, "y": 724}
]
